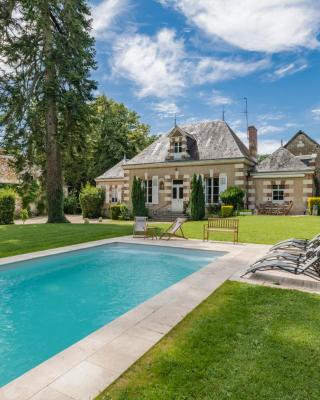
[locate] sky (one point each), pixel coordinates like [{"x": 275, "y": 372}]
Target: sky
[{"x": 194, "y": 58}]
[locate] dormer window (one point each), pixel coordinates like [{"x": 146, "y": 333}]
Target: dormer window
[
  {"x": 177, "y": 150},
  {"x": 177, "y": 147}
]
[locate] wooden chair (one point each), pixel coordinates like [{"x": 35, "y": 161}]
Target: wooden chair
[{"x": 174, "y": 228}]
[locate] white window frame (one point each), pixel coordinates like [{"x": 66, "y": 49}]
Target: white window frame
[
  {"x": 209, "y": 190},
  {"x": 277, "y": 189},
  {"x": 114, "y": 195},
  {"x": 148, "y": 191}
]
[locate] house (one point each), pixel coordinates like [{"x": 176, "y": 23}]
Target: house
[
  {"x": 7, "y": 173},
  {"x": 213, "y": 150}
]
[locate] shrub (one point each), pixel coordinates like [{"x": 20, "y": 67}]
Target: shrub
[
  {"x": 115, "y": 211},
  {"x": 124, "y": 213},
  {"x": 213, "y": 209},
  {"x": 7, "y": 205},
  {"x": 233, "y": 196},
  {"x": 226, "y": 211},
  {"x": 197, "y": 200},
  {"x": 24, "y": 214},
  {"x": 91, "y": 200},
  {"x": 138, "y": 199},
  {"x": 313, "y": 201},
  {"x": 71, "y": 204},
  {"x": 41, "y": 206}
]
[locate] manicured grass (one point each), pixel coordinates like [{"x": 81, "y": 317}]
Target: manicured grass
[
  {"x": 262, "y": 229},
  {"x": 243, "y": 343},
  {"x": 17, "y": 239}
]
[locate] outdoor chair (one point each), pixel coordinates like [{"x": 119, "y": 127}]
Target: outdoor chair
[
  {"x": 296, "y": 244},
  {"x": 140, "y": 227},
  {"x": 309, "y": 267},
  {"x": 174, "y": 228},
  {"x": 221, "y": 225}
]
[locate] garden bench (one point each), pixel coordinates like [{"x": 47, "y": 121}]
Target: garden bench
[{"x": 222, "y": 225}]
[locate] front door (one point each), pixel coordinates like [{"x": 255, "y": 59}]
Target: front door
[{"x": 177, "y": 195}]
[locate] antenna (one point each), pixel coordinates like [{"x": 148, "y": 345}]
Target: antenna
[
  {"x": 246, "y": 111},
  {"x": 175, "y": 119},
  {"x": 223, "y": 113}
]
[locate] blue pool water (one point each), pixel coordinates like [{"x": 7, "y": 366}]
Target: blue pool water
[{"x": 49, "y": 303}]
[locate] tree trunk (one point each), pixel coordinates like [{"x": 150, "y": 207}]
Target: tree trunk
[{"x": 54, "y": 179}]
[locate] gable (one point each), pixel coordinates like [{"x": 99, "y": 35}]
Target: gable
[{"x": 302, "y": 144}]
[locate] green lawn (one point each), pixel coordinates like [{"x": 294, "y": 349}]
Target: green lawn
[
  {"x": 244, "y": 342},
  {"x": 17, "y": 239}
]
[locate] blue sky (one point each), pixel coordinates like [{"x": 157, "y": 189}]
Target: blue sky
[{"x": 194, "y": 57}]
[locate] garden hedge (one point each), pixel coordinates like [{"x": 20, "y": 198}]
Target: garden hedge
[{"x": 7, "y": 206}]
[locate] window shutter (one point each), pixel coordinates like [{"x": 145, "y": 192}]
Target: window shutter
[
  {"x": 155, "y": 190},
  {"x": 223, "y": 182},
  {"x": 119, "y": 189},
  {"x": 204, "y": 183},
  {"x": 107, "y": 194}
]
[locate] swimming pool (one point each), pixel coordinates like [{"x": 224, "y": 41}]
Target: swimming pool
[{"x": 49, "y": 303}]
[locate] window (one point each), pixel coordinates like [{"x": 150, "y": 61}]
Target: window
[
  {"x": 212, "y": 190},
  {"x": 114, "y": 197},
  {"x": 148, "y": 190},
  {"x": 177, "y": 147},
  {"x": 277, "y": 192}
]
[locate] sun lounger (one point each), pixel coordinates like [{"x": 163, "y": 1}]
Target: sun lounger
[
  {"x": 309, "y": 267},
  {"x": 174, "y": 228},
  {"x": 140, "y": 227}
]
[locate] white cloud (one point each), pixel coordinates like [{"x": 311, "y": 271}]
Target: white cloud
[
  {"x": 213, "y": 70},
  {"x": 255, "y": 25},
  {"x": 288, "y": 69},
  {"x": 155, "y": 64},
  {"x": 166, "y": 109},
  {"x": 271, "y": 117},
  {"x": 267, "y": 129},
  {"x": 219, "y": 99},
  {"x": 104, "y": 14},
  {"x": 316, "y": 113},
  {"x": 268, "y": 146}
]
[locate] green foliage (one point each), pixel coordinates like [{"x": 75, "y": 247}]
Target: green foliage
[
  {"x": 111, "y": 132},
  {"x": 138, "y": 198},
  {"x": 91, "y": 201},
  {"x": 24, "y": 214},
  {"x": 124, "y": 213},
  {"x": 226, "y": 211},
  {"x": 213, "y": 209},
  {"x": 45, "y": 89},
  {"x": 313, "y": 201},
  {"x": 71, "y": 204},
  {"x": 197, "y": 200},
  {"x": 233, "y": 196},
  {"x": 41, "y": 206},
  {"x": 7, "y": 205},
  {"x": 115, "y": 211}
]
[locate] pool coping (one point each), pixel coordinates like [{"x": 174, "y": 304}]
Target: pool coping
[{"x": 84, "y": 369}]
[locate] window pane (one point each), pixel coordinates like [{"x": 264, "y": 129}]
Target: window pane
[
  {"x": 174, "y": 193},
  {"x": 181, "y": 193}
]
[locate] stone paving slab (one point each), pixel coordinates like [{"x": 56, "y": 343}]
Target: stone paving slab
[{"x": 83, "y": 370}]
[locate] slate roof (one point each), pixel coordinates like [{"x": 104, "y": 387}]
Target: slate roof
[
  {"x": 213, "y": 140},
  {"x": 306, "y": 135},
  {"x": 116, "y": 172},
  {"x": 281, "y": 160}
]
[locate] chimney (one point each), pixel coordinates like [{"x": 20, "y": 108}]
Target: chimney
[{"x": 253, "y": 141}]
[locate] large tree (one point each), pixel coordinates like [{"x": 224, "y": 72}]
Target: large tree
[
  {"x": 46, "y": 55},
  {"x": 112, "y": 132}
]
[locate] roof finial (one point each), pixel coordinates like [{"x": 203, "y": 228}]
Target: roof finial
[
  {"x": 124, "y": 157},
  {"x": 223, "y": 113},
  {"x": 175, "y": 120},
  {"x": 281, "y": 143}
]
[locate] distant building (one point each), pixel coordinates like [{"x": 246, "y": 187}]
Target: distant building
[
  {"x": 7, "y": 172},
  {"x": 213, "y": 150}
]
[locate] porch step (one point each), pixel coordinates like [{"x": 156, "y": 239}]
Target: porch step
[{"x": 168, "y": 216}]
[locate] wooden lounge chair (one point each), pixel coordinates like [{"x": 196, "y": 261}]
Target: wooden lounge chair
[
  {"x": 140, "y": 227},
  {"x": 174, "y": 228},
  {"x": 309, "y": 267}
]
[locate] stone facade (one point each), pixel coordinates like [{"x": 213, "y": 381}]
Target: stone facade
[
  {"x": 213, "y": 151},
  {"x": 7, "y": 173}
]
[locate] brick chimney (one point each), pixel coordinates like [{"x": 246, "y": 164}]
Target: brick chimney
[{"x": 253, "y": 141}]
